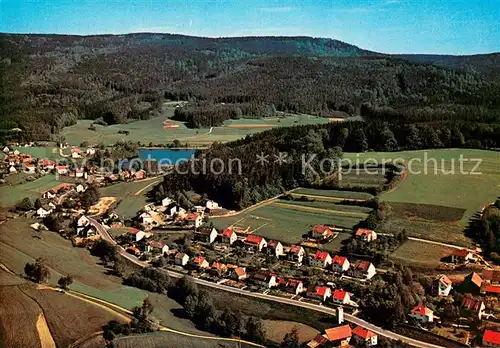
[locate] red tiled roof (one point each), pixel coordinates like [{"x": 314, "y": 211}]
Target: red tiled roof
[
  {"x": 363, "y": 231},
  {"x": 295, "y": 249},
  {"x": 321, "y": 255},
  {"x": 157, "y": 244},
  {"x": 76, "y": 150},
  {"x": 199, "y": 260},
  {"x": 472, "y": 304},
  {"x": 319, "y": 340},
  {"x": 240, "y": 271},
  {"x": 491, "y": 275},
  {"x": 61, "y": 167},
  {"x": 218, "y": 265},
  {"x": 320, "y": 229},
  {"x": 363, "y": 265},
  {"x": 321, "y": 290},
  {"x": 179, "y": 255},
  {"x": 133, "y": 231},
  {"x": 338, "y": 333},
  {"x": 339, "y": 295},
  {"x": 445, "y": 280},
  {"x": 476, "y": 279},
  {"x": 191, "y": 217},
  {"x": 363, "y": 333},
  {"x": 492, "y": 288},
  {"x": 253, "y": 239},
  {"x": 134, "y": 249},
  {"x": 228, "y": 232},
  {"x": 339, "y": 259},
  {"x": 293, "y": 283},
  {"x": 422, "y": 310},
  {"x": 461, "y": 252},
  {"x": 492, "y": 337}
]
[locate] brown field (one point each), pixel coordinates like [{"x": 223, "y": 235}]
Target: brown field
[
  {"x": 433, "y": 222},
  {"x": 18, "y": 317},
  {"x": 277, "y": 329},
  {"x": 420, "y": 254},
  {"x": 103, "y": 205}
]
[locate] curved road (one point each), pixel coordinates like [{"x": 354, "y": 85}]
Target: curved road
[{"x": 318, "y": 308}]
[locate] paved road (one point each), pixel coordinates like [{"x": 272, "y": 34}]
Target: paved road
[{"x": 318, "y": 308}]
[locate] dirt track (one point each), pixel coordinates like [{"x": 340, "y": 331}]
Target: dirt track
[{"x": 46, "y": 339}]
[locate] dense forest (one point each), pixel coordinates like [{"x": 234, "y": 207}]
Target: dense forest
[
  {"x": 240, "y": 186},
  {"x": 50, "y": 81}
]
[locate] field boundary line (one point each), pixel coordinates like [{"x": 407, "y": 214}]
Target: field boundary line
[
  {"x": 302, "y": 207},
  {"x": 328, "y": 197},
  {"x": 79, "y": 341}
]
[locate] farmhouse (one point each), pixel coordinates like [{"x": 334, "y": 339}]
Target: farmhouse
[
  {"x": 256, "y": 242},
  {"x": 274, "y": 248},
  {"x": 491, "y": 339},
  {"x": 471, "y": 284},
  {"x": 363, "y": 270},
  {"x": 266, "y": 280},
  {"x": 422, "y": 314},
  {"x": 321, "y": 232},
  {"x": 228, "y": 236},
  {"x": 181, "y": 259},
  {"x": 200, "y": 262},
  {"x": 339, "y": 336},
  {"x": 341, "y": 297},
  {"x": 44, "y": 211},
  {"x": 321, "y": 293},
  {"x": 62, "y": 170},
  {"x": 206, "y": 235},
  {"x": 136, "y": 234},
  {"x": 461, "y": 256},
  {"x": 340, "y": 264},
  {"x": 157, "y": 247},
  {"x": 364, "y": 336},
  {"x": 238, "y": 273},
  {"x": 365, "y": 234},
  {"x": 294, "y": 286},
  {"x": 473, "y": 307},
  {"x": 320, "y": 259},
  {"x": 193, "y": 219},
  {"x": 46, "y": 164},
  {"x": 442, "y": 285},
  {"x": 296, "y": 253}
]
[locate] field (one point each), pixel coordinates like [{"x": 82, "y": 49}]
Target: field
[
  {"x": 132, "y": 196},
  {"x": 288, "y": 220},
  {"x": 20, "y": 244},
  {"x": 50, "y": 151},
  {"x": 421, "y": 254},
  {"x": 10, "y": 195},
  {"x": 153, "y": 130},
  {"x": 277, "y": 329},
  {"x": 168, "y": 339}
]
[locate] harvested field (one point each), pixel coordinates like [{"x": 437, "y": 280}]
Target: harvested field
[
  {"x": 333, "y": 194},
  {"x": 249, "y": 125},
  {"x": 277, "y": 329},
  {"x": 102, "y": 206},
  {"x": 18, "y": 318},
  {"x": 420, "y": 254},
  {"x": 427, "y": 211}
]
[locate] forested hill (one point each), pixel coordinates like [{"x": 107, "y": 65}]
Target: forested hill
[{"x": 49, "y": 81}]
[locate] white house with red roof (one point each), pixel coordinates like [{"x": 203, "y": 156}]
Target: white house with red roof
[
  {"x": 321, "y": 293},
  {"x": 29, "y": 168},
  {"x": 320, "y": 259},
  {"x": 274, "y": 248},
  {"x": 341, "y": 297},
  {"x": 46, "y": 164},
  {"x": 238, "y": 273},
  {"x": 62, "y": 170},
  {"x": 422, "y": 314},
  {"x": 200, "y": 262},
  {"x": 136, "y": 234},
  {"x": 193, "y": 219},
  {"x": 340, "y": 264},
  {"x": 461, "y": 256},
  {"x": 76, "y": 152},
  {"x": 296, "y": 253},
  {"x": 218, "y": 268},
  {"x": 256, "y": 242},
  {"x": 321, "y": 232},
  {"x": 491, "y": 339},
  {"x": 363, "y": 270},
  {"x": 443, "y": 285},
  {"x": 366, "y": 235},
  {"x": 228, "y": 236},
  {"x": 157, "y": 247},
  {"x": 339, "y": 336},
  {"x": 364, "y": 336}
]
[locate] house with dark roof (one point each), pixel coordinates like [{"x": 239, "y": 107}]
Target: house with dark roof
[
  {"x": 264, "y": 279},
  {"x": 471, "y": 284},
  {"x": 181, "y": 259},
  {"x": 206, "y": 235},
  {"x": 296, "y": 253},
  {"x": 274, "y": 248},
  {"x": 491, "y": 276},
  {"x": 294, "y": 286}
]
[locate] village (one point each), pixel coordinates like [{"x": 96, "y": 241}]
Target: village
[{"x": 166, "y": 235}]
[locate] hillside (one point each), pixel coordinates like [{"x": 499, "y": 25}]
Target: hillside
[{"x": 49, "y": 81}]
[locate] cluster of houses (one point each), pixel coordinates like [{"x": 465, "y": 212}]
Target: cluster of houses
[{"x": 50, "y": 198}]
